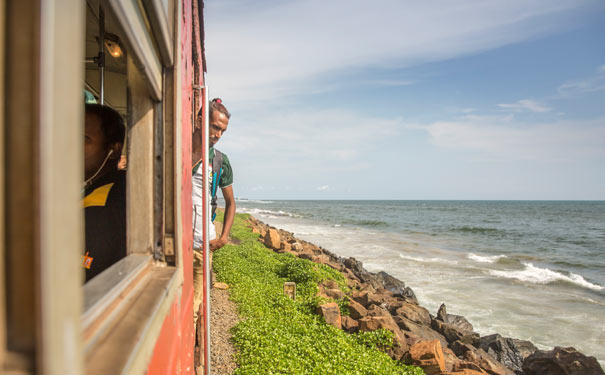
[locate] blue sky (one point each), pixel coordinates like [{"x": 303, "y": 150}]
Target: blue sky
[{"x": 411, "y": 100}]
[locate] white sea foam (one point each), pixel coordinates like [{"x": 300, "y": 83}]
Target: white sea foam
[
  {"x": 424, "y": 260},
  {"x": 484, "y": 259},
  {"x": 252, "y": 201},
  {"x": 266, "y": 213},
  {"x": 538, "y": 275}
]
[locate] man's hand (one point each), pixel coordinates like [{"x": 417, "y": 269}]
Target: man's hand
[{"x": 217, "y": 244}]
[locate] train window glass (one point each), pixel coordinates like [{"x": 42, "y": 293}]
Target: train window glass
[
  {"x": 105, "y": 95},
  {"x": 115, "y": 77}
]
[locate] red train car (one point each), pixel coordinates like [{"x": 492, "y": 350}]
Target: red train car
[{"x": 144, "y": 58}]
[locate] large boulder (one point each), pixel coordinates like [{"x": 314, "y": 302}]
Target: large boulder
[
  {"x": 356, "y": 310},
  {"x": 390, "y": 283},
  {"x": 457, "y": 321},
  {"x": 356, "y": 267},
  {"x": 272, "y": 239},
  {"x": 423, "y": 332},
  {"x": 505, "y": 350},
  {"x": 561, "y": 361},
  {"x": 442, "y": 314},
  {"x": 451, "y": 333},
  {"x": 487, "y": 363},
  {"x": 331, "y": 313},
  {"x": 415, "y": 313},
  {"x": 367, "y": 298},
  {"x": 376, "y": 310},
  {"x": 335, "y": 293},
  {"x": 373, "y": 323},
  {"x": 349, "y": 324},
  {"x": 427, "y": 355}
]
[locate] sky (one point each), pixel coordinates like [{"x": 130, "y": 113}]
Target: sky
[{"x": 398, "y": 99}]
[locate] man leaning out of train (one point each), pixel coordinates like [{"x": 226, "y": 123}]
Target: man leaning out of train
[
  {"x": 104, "y": 189},
  {"x": 219, "y": 168}
]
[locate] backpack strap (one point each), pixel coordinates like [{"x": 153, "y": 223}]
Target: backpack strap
[{"x": 217, "y": 171}]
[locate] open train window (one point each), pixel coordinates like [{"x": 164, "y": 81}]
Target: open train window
[{"x": 125, "y": 70}]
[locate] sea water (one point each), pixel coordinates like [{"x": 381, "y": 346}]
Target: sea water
[{"x": 531, "y": 270}]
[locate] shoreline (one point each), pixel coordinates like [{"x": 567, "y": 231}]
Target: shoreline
[{"x": 380, "y": 300}]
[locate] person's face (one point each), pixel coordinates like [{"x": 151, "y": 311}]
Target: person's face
[
  {"x": 95, "y": 148},
  {"x": 218, "y": 126}
]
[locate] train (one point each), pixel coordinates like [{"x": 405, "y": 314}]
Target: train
[{"x": 146, "y": 60}]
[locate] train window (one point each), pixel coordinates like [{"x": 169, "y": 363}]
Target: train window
[{"x": 135, "y": 80}]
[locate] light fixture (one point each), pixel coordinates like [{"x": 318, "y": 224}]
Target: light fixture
[{"x": 113, "y": 46}]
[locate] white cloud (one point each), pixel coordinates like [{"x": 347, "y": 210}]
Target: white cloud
[
  {"x": 526, "y": 105},
  {"x": 496, "y": 137},
  {"x": 309, "y": 136},
  {"x": 590, "y": 84},
  {"x": 262, "y": 50},
  {"x": 324, "y": 188}
]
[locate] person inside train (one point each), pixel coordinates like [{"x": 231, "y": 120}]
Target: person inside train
[
  {"x": 220, "y": 169},
  {"x": 104, "y": 189}
]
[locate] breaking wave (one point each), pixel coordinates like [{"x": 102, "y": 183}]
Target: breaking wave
[
  {"x": 484, "y": 259},
  {"x": 261, "y": 212},
  {"x": 537, "y": 275},
  {"x": 425, "y": 260}
]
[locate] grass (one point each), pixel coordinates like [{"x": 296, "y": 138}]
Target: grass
[{"x": 280, "y": 336}]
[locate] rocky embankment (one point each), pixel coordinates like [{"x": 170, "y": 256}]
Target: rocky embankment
[{"x": 440, "y": 344}]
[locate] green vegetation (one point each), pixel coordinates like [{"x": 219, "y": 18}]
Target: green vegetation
[{"x": 281, "y": 336}]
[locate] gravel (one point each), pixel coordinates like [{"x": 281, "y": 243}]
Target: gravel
[{"x": 223, "y": 316}]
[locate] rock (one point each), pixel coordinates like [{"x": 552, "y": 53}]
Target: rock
[
  {"x": 334, "y": 293},
  {"x": 331, "y": 313},
  {"x": 427, "y": 355},
  {"x": 467, "y": 367},
  {"x": 423, "y": 332},
  {"x": 336, "y": 266},
  {"x": 366, "y": 298},
  {"x": 442, "y": 314},
  {"x": 330, "y": 284},
  {"x": 272, "y": 239},
  {"x": 221, "y": 286},
  {"x": 349, "y": 324},
  {"x": 296, "y": 246},
  {"x": 356, "y": 310},
  {"x": 505, "y": 350},
  {"x": 376, "y": 310},
  {"x": 415, "y": 313},
  {"x": 307, "y": 247},
  {"x": 390, "y": 283},
  {"x": 255, "y": 230},
  {"x": 322, "y": 259},
  {"x": 460, "y": 323},
  {"x": 354, "y": 265},
  {"x": 457, "y": 321},
  {"x": 372, "y": 323},
  {"x": 452, "y": 334},
  {"x": 487, "y": 363},
  {"x": 465, "y": 372},
  {"x": 285, "y": 246},
  {"x": 450, "y": 359},
  {"x": 525, "y": 348},
  {"x": 561, "y": 361},
  {"x": 306, "y": 255}
]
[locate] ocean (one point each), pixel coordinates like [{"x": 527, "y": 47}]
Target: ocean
[{"x": 532, "y": 270}]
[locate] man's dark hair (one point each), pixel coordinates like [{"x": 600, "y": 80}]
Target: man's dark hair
[
  {"x": 217, "y": 105},
  {"x": 112, "y": 123}
]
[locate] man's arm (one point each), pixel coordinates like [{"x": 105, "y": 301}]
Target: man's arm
[
  {"x": 227, "y": 220},
  {"x": 196, "y": 146}
]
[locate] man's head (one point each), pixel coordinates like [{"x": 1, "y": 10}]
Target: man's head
[
  {"x": 219, "y": 120},
  {"x": 104, "y": 132}
]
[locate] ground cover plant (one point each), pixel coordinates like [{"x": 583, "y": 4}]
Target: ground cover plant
[{"x": 280, "y": 336}]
